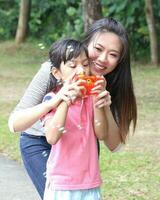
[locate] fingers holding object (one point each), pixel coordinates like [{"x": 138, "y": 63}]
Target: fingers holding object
[{"x": 103, "y": 99}]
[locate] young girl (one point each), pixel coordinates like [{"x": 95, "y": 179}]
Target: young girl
[{"x": 72, "y": 129}]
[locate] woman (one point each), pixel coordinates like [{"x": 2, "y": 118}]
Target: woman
[{"x": 108, "y": 48}]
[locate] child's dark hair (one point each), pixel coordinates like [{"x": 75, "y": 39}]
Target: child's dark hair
[{"x": 63, "y": 51}]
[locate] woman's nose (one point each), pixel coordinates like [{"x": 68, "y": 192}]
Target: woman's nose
[{"x": 103, "y": 57}]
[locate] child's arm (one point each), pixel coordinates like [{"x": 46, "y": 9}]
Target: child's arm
[{"x": 54, "y": 126}]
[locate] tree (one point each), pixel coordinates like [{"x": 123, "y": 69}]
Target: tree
[
  {"x": 92, "y": 10},
  {"x": 152, "y": 31},
  {"x": 22, "y": 27}
]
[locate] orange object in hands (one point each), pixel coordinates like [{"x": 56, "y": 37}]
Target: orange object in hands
[{"x": 89, "y": 84}]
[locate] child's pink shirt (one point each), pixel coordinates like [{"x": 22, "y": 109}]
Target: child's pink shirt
[{"x": 73, "y": 162}]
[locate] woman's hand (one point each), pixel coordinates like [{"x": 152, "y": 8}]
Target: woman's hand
[
  {"x": 103, "y": 97},
  {"x": 99, "y": 86}
]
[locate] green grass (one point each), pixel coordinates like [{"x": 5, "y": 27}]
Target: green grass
[
  {"x": 132, "y": 174},
  {"x": 18, "y": 64}
]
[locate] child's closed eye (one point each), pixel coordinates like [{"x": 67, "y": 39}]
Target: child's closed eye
[
  {"x": 71, "y": 64},
  {"x": 86, "y": 64}
]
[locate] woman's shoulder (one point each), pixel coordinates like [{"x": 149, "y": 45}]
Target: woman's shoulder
[
  {"x": 43, "y": 75},
  {"x": 46, "y": 66}
]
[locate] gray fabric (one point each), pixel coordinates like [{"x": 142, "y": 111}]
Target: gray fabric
[{"x": 34, "y": 95}]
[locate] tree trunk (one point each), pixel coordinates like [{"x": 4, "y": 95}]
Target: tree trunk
[
  {"x": 22, "y": 27},
  {"x": 92, "y": 10},
  {"x": 152, "y": 31}
]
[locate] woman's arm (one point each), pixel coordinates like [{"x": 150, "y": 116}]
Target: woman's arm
[
  {"x": 106, "y": 128},
  {"x": 100, "y": 125},
  {"x": 22, "y": 116},
  {"x": 111, "y": 136},
  {"x": 54, "y": 126},
  {"x": 30, "y": 109},
  {"x": 27, "y": 117},
  {"x": 112, "y": 139}
]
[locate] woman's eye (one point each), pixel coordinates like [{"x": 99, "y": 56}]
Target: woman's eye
[
  {"x": 114, "y": 55},
  {"x": 98, "y": 49}
]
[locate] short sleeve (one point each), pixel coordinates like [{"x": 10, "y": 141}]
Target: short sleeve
[
  {"x": 48, "y": 97},
  {"x": 37, "y": 88},
  {"x": 34, "y": 92}
]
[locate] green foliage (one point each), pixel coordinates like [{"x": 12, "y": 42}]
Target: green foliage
[
  {"x": 71, "y": 11},
  {"x": 156, "y": 7},
  {"x": 51, "y": 20},
  {"x": 130, "y": 14},
  {"x": 8, "y": 19}
]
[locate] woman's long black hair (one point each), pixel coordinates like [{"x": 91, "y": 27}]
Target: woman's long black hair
[{"x": 119, "y": 81}]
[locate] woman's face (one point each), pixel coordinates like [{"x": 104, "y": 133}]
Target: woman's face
[{"x": 104, "y": 50}]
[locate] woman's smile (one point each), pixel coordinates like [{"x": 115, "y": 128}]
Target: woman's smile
[{"x": 98, "y": 68}]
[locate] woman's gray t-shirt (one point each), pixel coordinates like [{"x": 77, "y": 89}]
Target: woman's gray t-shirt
[{"x": 34, "y": 95}]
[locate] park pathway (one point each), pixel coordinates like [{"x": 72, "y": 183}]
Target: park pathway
[{"x": 14, "y": 182}]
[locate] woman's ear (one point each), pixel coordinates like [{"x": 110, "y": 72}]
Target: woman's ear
[{"x": 56, "y": 73}]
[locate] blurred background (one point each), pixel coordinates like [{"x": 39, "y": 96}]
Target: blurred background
[
  {"x": 50, "y": 20},
  {"x": 28, "y": 28}
]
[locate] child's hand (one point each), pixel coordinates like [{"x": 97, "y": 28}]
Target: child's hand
[
  {"x": 76, "y": 86},
  {"x": 70, "y": 91}
]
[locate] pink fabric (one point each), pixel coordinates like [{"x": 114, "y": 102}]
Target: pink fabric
[{"x": 73, "y": 161}]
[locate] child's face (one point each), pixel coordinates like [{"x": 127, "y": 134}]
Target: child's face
[
  {"x": 72, "y": 65},
  {"x": 105, "y": 52}
]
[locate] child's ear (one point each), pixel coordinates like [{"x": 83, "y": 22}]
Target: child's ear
[{"x": 56, "y": 73}]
